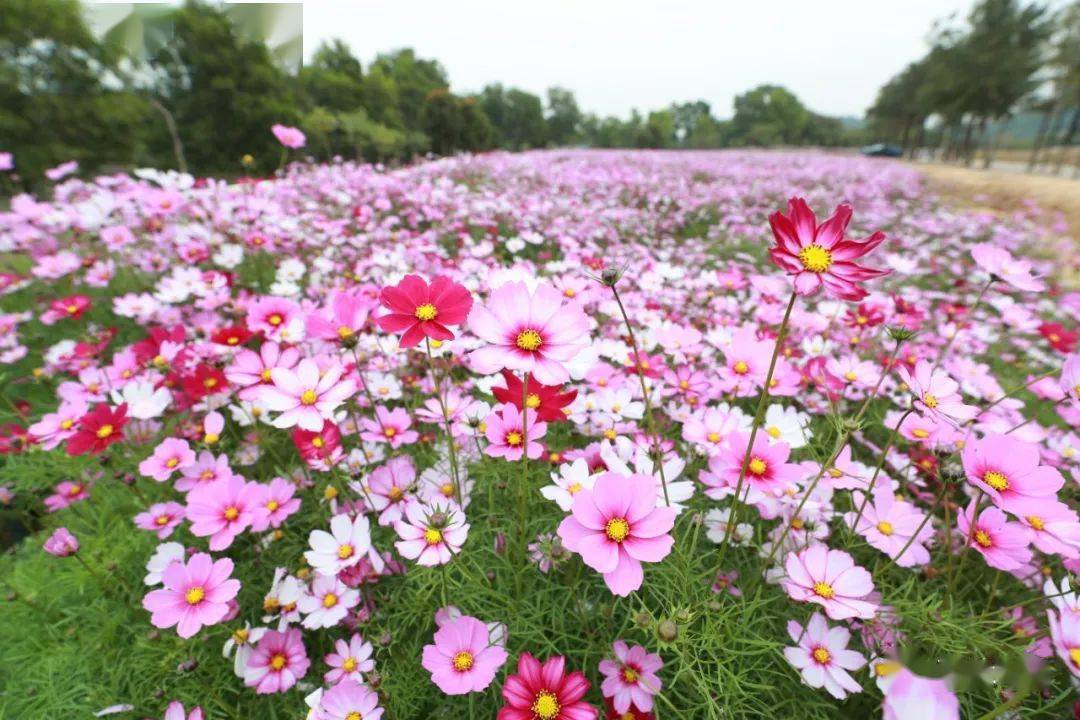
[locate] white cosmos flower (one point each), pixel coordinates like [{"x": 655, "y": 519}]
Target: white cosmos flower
[
  {"x": 165, "y": 555},
  {"x": 144, "y": 401},
  {"x": 571, "y": 479}
]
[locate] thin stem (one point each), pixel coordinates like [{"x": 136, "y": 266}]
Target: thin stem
[
  {"x": 880, "y": 465},
  {"x": 978, "y": 301},
  {"x": 926, "y": 519},
  {"x": 733, "y": 519},
  {"x": 446, "y": 423},
  {"x": 658, "y": 459}
]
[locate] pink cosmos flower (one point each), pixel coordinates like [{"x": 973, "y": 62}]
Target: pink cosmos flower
[
  {"x": 349, "y": 700},
  {"x": 888, "y": 524},
  {"x": 528, "y": 332},
  {"x": 936, "y": 393},
  {"x": 418, "y": 310},
  {"x": 506, "y": 433},
  {"x": 910, "y": 696},
  {"x": 61, "y": 543},
  {"x": 1000, "y": 263},
  {"x": 463, "y": 659},
  {"x": 431, "y": 535},
  {"x": 170, "y": 455},
  {"x": 290, "y": 137},
  {"x": 1065, "y": 634},
  {"x": 161, "y": 518},
  {"x": 616, "y": 526},
  {"x": 349, "y": 660},
  {"x": 305, "y": 396},
  {"x": 1003, "y": 544},
  {"x": 1069, "y": 381},
  {"x": 175, "y": 711},
  {"x": 223, "y": 509},
  {"x": 346, "y": 543},
  {"x": 545, "y": 691},
  {"x": 767, "y": 472},
  {"x": 709, "y": 428},
  {"x": 276, "y": 317},
  {"x": 277, "y": 504},
  {"x": 1008, "y": 470},
  {"x": 630, "y": 680},
  {"x": 277, "y": 662},
  {"x": 328, "y": 602},
  {"x": 206, "y": 469},
  {"x": 822, "y": 658},
  {"x": 342, "y": 320},
  {"x": 831, "y": 579},
  {"x": 818, "y": 255},
  {"x": 196, "y": 593},
  {"x": 67, "y": 493},
  {"x": 250, "y": 369},
  {"x": 1055, "y": 528},
  {"x": 389, "y": 426},
  {"x": 54, "y": 428},
  {"x": 390, "y": 488},
  {"x": 746, "y": 362}
]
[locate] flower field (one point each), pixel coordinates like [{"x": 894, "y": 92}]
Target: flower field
[{"x": 545, "y": 436}]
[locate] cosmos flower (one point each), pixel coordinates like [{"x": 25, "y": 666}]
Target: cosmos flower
[
  {"x": 431, "y": 535},
  {"x": 223, "y": 509},
  {"x": 346, "y": 543},
  {"x": 1008, "y": 470},
  {"x": 462, "y": 658},
  {"x": 616, "y": 526},
  {"x": 819, "y": 255},
  {"x": 937, "y": 394},
  {"x": 888, "y": 525},
  {"x": 171, "y": 455},
  {"x": 61, "y": 543},
  {"x": 506, "y": 433},
  {"x": 548, "y": 401},
  {"x": 175, "y": 711},
  {"x": 98, "y": 429},
  {"x": 528, "y": 332},
  {"x": 349, "y": 660},
  {"x": 1003, "y": 544},
  {"x": 328, "y": 602},
  {"x": 821, "y": 656},
  {"x": 161, "y": 518},
  {"x": 911, "y": 696},
  {"x": 306, "y": 397},
  {"x": 831, "y": 579},
  {"x": 196, "y": 593},
  {"x": 277, "y": 662},
  {"x": 348, "y": 700},
  {"x": 631, "y": 680},
  {"x": 418, "y": 310},
  {"x": 389, "y": 426},
  {"x": 545, "y": 692},
  {"x": 1001, "y": 264},
  {"x": 289, "y": 137}
]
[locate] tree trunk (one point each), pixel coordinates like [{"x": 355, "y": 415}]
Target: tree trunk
[
  {"x": 1044, "y": 125},
  {"x": 1066, "y": 140},
  {"x": 170, "y": 123}
]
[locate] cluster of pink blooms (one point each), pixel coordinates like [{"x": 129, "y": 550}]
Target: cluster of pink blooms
[{"x": 404, "y": 339}]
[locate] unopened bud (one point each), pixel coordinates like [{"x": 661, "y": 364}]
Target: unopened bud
[
  {"x": 667, "y": 631},
  {"x": 900, "y": 334},
  {"x": 610, "y": 276}
]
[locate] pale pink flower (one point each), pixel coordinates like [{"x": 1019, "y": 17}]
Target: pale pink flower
[
  {"x": 1003, "y": 544},
  {"x": 936, "y": 393},
  {"x": 506, "y": 433},
  {"x": 289, "y": 137},
  {"x": 306, "y": 397},
  {"x": 821, "y": 656},
  {"x": 161, "y": 518},
  {"x": 250, "y": 369},
  {"x": 831, "y": 579},
  {"x": 206, "y": 469},
  {"x": 175, "y": 711},
  {"x": 54, "y": 428},
  {"x": 277, "y": 662},
  {"x": 1065, "y": 634},
  {"x": 528, "y": 332},
  {"x": 910, "y": 696},
  {"x": 196, "y": 593},
  {"x": 346, "y": 543},
  {"x": 171, "y": 455},
  {"x": 349, "y": 701},
  {"x": 1001, "y": 264},
  {"x": 390, "y": 488},
  {"x": 61, "y": 543},
  {"x": 389, "y": 426},
  {"x": 1055, "y": 529},
  {"x": 617, "y": 526},
  {"x": 349, "y": 660},
  {"x": 223, "y": 509},
  {"x": 343, "y": 319},
  {"x": 888, "y": 525},
  {"x": 462, "y": 658},
  {"x": 431, "y": 535},
  {"x": 631, "y": 680},
  {"x": 328, "y": 602}
]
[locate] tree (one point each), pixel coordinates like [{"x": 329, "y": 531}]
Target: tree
[
  {"x": 563, "y": 117},
  {"x": 414, "y": 78},
  {"x": 769, "y": 115},
  {"x": 516, "y": 115}
]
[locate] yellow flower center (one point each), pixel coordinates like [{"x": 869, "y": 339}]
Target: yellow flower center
[
  {"x": 920, "y": 433},
  {"x": 195, "y": 595},
  {"x": 574, "y": 488},
  {"x": 930, "y": 400},
  {"x": 273, "y": 505},
  {"x": 210, "y": 438},
  {"x": 850, "y": 376},
  {"x": 629, "y": 675},
  {"x": 821, "y": 655},
  {"x": 433, "y": 536},
  {"x": 395, "y": 493},
  {"x": 983, "y": 538},
  {"x": 265, "y": 375},
  {"x": 231, "y": 513},
  {"x": 309, "y": 397},
  {"x": 824, "y": 589},
  {"x": 240, "y": 636},
  {"x": 815, "y": 258},
  {"x": 349, "y": 664},
  {"x": 105, "y": 431},
  {"x": 533, "y": 401},
  {"x": 513, "y": 438},
  {"x": 545, "y": 706},
  {"x": 447, "y": 489},
  {"x": 172, "y": 462},
  {"x": 209, "y": 383},
  {"x": 161, "y": 520},
  {"x": 713, "y": 437},
  {"x": 885, "y": 527},
  {"x": 275, "y": 319},
  {"x": 278, "y": 661},
  {"x": 996, "y": 480},
  {"x": 1074, "y": 655},
  {"x": 774, "y": 432},
  {"x": 426, "y": 312},
  {"x": 67, "y": 424},
  {"x": 757, "y": 466},
  {"x": 329, "y": 600},
  {"x": 390, "y": 432},
  {"x": 886, "y": 668},
  {"x": 617, "y": 529},
  {"x": 741, "y": 367},
  {"x": 463, "y": 661},
  {"x": 529, "y": 340},
  {"x": 344, "y": 332},
  {"x": 344, "y": 552},
  {"x": 317, "y": 442},
  {"x": 354, "y": 715},
  {"x": 1036, "y": 522}
]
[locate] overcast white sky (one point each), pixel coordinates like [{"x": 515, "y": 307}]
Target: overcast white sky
[{"x": 622, "y": 54}]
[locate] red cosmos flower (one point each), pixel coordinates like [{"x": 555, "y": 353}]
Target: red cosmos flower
[
  {"x": 14, "y": 439},
  {"x": 818, "y": 254},
  {"x": 206, "y": 380},
  {"x": 547, "y": 400},
  {"x": 545, "y": 692},
  {"x": 72, "y": 307},
  {"x": 420, "y": 310},
  {"x": 317, "y": 445},
  {"x": 1059, "y": 338},
  {"x": 864, "y": 316},
  {"x": 97, "y": 430},
  {"x": 149, "y": 349},
  {"x": 232, "y": 336}
]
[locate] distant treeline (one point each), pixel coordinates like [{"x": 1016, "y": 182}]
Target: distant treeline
[
  {"x": 205, "y": 98},
  {"x": 1004, "y": 58}
]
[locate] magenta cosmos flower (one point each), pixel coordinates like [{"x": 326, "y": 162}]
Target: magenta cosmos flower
[
  {"x": 61, "y": 543},
  {"x": 1003, "y": 544},
  {"x": 195, "y": 594},
  {"x": 506, "y": 434},
  {"x": 277, "y": 662},
  {"x": 768, "y": 470},
  {"x": 528, "y": 332},
  {"x": 821, "y": 656},
  {"x": 463, "y": 658},
  {"x": 223, "y": 509},
  {"x": 616, "y": 526},
  {"x": 306, "y": 396},
  {"x": 1008, "y": 470},
  {"x": 545, "y": 692},
  {"x": 630, "y": 680},
  {"x": 818, "y": 255},
  {"x": 171, "y": 455},
  {"x": 418, "y": 310},
  {"x": 831, "y": 579}
]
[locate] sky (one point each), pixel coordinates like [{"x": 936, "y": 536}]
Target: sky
[{"x": 617, "y": 55}]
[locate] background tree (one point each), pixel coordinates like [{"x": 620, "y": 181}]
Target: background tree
[{"x": 563, "y": 118}]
